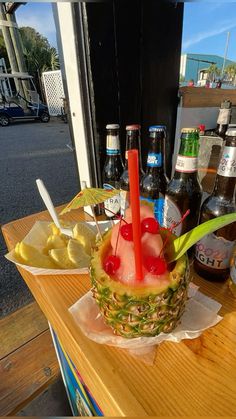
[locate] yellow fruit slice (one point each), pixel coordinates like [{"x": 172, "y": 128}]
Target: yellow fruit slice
[
  {"x": 17, "y": 253},
  {"x": 54, "y": 229},
  {"x": 77, "y": 254},
  {"x": 61, "y": 258},
  {"x": 85, "y": 236},
  {"x": 32, "y": 257},
  {"x": 55, "y": 241}
]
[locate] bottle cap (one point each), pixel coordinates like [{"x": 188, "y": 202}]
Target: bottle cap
[
  {"x": 133, "y": 127},
  {"x": 188, "y": 130},
  {"x": 156, "y": 128},
  {"x": 112, "y": 126},
  {"x": 231, "y": 132},
  {"x": 202, "y": 127}
]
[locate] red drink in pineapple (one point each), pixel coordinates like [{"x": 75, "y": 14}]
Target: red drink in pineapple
[
  {"x": 132, "y": 307},
  {"x": 137, "y": 293}
]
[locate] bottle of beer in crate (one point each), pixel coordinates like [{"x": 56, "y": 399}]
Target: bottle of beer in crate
[
  {"x": 213, "y": 252},
  {"x": 184, "y": 191}
]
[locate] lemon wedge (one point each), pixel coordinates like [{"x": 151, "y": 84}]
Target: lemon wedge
[
  {"x": 85, "y": 236},
  {"x": 32, "y": 257},
  {"x": 77, "y": 254},
  {"x": 61, "y": 258}
]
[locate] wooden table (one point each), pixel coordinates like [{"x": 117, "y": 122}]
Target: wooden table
[{"x": 195, "y": 377}]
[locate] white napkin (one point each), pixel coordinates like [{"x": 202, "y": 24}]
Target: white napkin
[{"x": 200, "y": 314}]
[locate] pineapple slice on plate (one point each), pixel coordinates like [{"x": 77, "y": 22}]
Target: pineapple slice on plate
[
  {"x": 55, "y": 241},
  {"x": 33, "y": 257},
  {"x": 77, "y": 254},
  {"x": 85, "y": 236},
  {"x": 61, "y": 258}
]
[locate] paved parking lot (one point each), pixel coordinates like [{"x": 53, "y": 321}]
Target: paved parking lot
[{"x": 29, "y": 151}]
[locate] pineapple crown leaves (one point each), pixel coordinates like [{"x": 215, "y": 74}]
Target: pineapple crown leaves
[{"x": 181, "y": 244}]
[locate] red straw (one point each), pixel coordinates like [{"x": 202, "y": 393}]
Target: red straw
[{"x": 135, "y": 209}]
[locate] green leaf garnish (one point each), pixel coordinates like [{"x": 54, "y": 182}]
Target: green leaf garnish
[{"x": 181, "y": 244}]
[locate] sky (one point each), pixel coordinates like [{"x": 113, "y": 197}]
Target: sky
[
  {"x": 40, "y": 17},
  {"x": 205, "y": 25},
  {"x": 205, "y": 28}
]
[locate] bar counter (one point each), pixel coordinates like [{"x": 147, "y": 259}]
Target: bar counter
[{"x": 195, "y": 377}]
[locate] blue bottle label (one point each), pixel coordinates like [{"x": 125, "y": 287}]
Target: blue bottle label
[
  {"x": 158, "y": 205},
  {"x": 154, "y": 160}
]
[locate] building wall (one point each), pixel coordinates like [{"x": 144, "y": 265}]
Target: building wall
[{"x": 190, "y": 68}]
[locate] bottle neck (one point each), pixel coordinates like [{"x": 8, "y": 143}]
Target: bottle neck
[
  {"x": 223, "y": 121},
  {"x": 226, "y": 173},
  {"x": 132, "y": 142},
  {"x": 112, "y": 144},
  {"x": 156, "y": 153},
  {"x": 187, "y": 159}
]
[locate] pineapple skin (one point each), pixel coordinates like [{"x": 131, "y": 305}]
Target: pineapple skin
[{"x": 142, "y": 310}]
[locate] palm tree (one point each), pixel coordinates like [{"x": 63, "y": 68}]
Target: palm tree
[
  {"x": 231, "y": 73},
  {"x": 39, "y": 55},
  {"x": 213, "y": 72}
]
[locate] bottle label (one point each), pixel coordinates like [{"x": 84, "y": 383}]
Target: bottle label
[
  {"x": 113, "y": 144},
  {"x": 124, "y": 201},
  {"x": 154, "y": 160},
  {"x": 172, "y": 215},
  {"x": 227, "y": 166},
  {"x": 214, "y": 252},
  {"x": 158, "y": 208},
  {"x": 186, "y": 164},
  {"x": 111, "y": 204},
  {"x": 224, "y": 116}
]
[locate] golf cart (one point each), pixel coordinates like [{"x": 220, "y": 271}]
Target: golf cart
[{"x": 17, "y": 107}]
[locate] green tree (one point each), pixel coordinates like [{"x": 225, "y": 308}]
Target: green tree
[
  {"x": 213, "y": 72},
  {"x": 231, "y": 73},
  {"x": 39, "y": 55}
]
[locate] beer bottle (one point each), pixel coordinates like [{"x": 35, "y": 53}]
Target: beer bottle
[
  {"x": 112, "y": 170},
  {"x": 223, "y": 118},
  {"x": 213, "y": 252},
  {"x": 184, "y": 190},
  {"x": 132, "y": 142},
  {"x": 154, "y": 182}
]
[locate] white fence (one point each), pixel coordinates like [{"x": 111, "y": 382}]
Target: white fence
[{"x": 53, "y": 87}]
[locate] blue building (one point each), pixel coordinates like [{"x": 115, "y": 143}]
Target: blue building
[{"x": 191, "y": 64}]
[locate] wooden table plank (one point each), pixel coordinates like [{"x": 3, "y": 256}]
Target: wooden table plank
[
  {"x": 26, "y": 372},
  {"x": 197, "y": 377},
  {"x": 21, "y": 326}
]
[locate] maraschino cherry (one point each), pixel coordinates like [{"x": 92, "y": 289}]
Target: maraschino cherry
[
  {"x": 156, "y": 265},
  {"x": 127, "y": 232},
  {"x": 111, "y": 264},
  {"x": 150, "y": 225}
]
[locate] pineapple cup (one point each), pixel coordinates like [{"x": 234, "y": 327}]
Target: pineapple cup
[{"x": 135, "y": 311}]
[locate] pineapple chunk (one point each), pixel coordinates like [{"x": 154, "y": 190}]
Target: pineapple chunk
[
  {"x": 61, "y": 258},
  {"x": 77, "y": 254},
  {"x": 85, "y": 236},
  {"x": 32, "y": 256}
]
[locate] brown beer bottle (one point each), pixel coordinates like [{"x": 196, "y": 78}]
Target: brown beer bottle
[
  {"x": 112, "y": 170},
  {"x": 153, "y": 184},
  {"x": 213, "y": 252},
  {"x": 132, "y": 142},
  {"x": 184, "y": 190}
]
